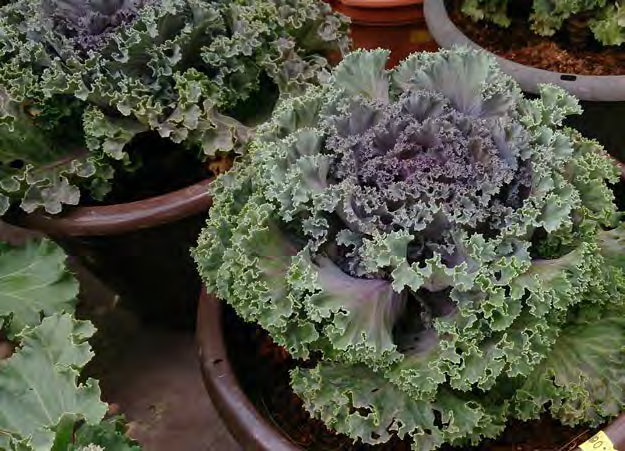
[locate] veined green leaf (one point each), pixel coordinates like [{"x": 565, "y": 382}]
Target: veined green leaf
[
  {"x": 34, "y": 281},
  {"x": 39, "y": 383}
]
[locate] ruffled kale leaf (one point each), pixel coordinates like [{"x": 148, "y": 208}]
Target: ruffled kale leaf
[
  {"x": 581, "y": 378},
  {"x": 437, "y": 241},
  {"x": 79, "y": 80},
  {"x": 360, "y": 403}
]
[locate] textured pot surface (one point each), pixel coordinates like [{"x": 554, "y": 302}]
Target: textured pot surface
[
  {"x": 397, "y": 25},
  {"x": 140, "y": 250},
  {"x": 245, "y": 423},
  {"x": 616, "y": 432}
]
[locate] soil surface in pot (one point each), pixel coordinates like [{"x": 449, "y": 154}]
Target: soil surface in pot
[
  {"x": 582, "y": 55},
  {"x": 263, "y": 371},
  {"x": 158, "y": 166}
]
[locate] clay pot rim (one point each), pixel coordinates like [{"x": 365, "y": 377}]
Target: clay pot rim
[
  {"x": 379, "y": 4},
  {"x": 381, "y": 13},
  {"x": 606, "y": 88},
  {"x": 240, "y": 416},
  {"x": 121, "y": 218}
]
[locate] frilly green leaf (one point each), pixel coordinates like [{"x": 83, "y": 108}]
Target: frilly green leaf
[
  {"x": 363, "y": 405},
  {"x": 362, "y": 73},
  {"x": 358, "y": 314},
  {"x": 581, "y": 378}
]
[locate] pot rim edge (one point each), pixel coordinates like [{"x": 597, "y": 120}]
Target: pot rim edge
[{"x": 605, "y": 88}]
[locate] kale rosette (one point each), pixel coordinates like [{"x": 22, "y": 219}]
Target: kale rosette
[{"x": 80, "y": 79}]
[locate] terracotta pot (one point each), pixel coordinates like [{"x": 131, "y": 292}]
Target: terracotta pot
[
  {"x": 397, "y": 25},
  {"x": 244, "y": 421},
  {"x": 138, "y": 249},
  {"x": 602, "y": 97}
]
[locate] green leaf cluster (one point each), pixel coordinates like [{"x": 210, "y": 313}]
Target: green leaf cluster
[
  {"x": 44, "y": 403},
  {"x": 80, "y": 79},
  {"x": 605, "y": 18},
  {"x": 445, "y": 247}
]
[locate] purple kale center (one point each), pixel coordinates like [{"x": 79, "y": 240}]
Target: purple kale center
[
  {"x": 90, "y": 23},
  {"x": 421, "y": 153}
]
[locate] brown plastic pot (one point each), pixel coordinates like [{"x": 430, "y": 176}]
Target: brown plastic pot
[
  {"x": 397, "y": 25},
  {"x": 242, "y": 419},
  {"x": 601, "y": 96},
  {"x": 138, "y": 249},
  {"x": 247, "y": 425}
]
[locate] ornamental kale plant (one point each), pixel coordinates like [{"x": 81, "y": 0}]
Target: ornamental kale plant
[
  {"x": 605, "y": 18},
  {"x": 441, "y": 248},
  {"x": 80, "y": 79}
]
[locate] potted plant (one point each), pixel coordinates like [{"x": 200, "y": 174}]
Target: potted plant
[
  {"x": 44, "y": 403},
  {"x": 397, "y": 25},
  {"x": 129, "y": 108},
  {"x": 575, "y": 45},
  {"x": 436, "y": 253}
]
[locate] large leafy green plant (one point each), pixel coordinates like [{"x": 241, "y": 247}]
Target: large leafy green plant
[
  {"x": 435, "y": 243},
  {"x": 605, "y": 18},
  {"x": 79, "y": 79},
  {"x": 43, "y": 404}
]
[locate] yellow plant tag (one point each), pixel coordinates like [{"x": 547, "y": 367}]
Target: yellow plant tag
[{"x": 598, "y": 442}]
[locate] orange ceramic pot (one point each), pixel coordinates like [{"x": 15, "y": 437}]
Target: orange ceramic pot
[{"x": 397, "y": 25}]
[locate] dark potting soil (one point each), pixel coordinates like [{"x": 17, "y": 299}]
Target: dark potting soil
[
  {"x": 158, "y": 166},
  {"x": 559, "y": 53},
  {"x": 262, "y": 368}
]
